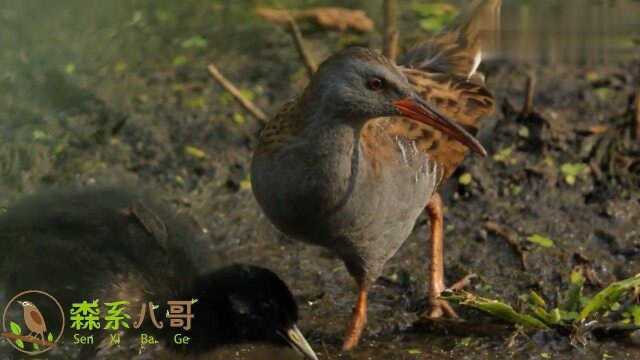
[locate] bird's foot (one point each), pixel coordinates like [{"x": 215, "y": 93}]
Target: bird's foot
[
  {"x": 439, "y": 307},
  {"x": 354, "y": 332},
  {"x": 357, "y": 323}
]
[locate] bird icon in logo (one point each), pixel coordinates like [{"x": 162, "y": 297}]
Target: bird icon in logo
[
  {"x": 29, "y": 333},
  {"x": 33, "y": 319}
]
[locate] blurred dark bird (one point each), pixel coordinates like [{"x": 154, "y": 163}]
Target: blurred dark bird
[
  {"x": 33, "y": 319},
  {"x": 111, "y": 244},
  {"x": 351, "y": 163}
]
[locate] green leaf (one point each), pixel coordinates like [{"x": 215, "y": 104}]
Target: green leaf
[
  {"x": 137, "y": 17},
  {"x": 433, "y": 9},
  {"x": 15, "y": 328},
  {"x": 245, "y": 184},
  {"x": 568, "y": 316},
  {"x": 611, "y": 294},
  {"x": 39, "y": 135},
  {"x": 523, "y": 132},
  {"x": 571, "y": 171},
  {"x": 541, "y": 240},
  {"x": 503, "y": 155},
  {"x": 635, "y": 313},
  {"x": 432, "y": 24},
  {"x": 536, "y": 299},
  {"x": 495, "y": 308},
  {"x": 573, "y": 168},
  {"x": 434, "y": 16},
  {"x": 179, "y": 60},
  {"x": 120, "y": 66},
  {"x": 194, "y": 42},
  {"x": 576, "y": 278},
  {"x": 238, "y": 118},
  {"x": 604, "y": 94},
  {"x": 195, "y": 152},
  {"x": 163, "y": 15},
  {"x": 225, "y": 98},
  {"x": 574, "y": 293},
  {"x": 50, "y": 337},
  {"x": 20, "y": 343},
  {"x": 35, "y": 346},
  {"x": 70, "y": 68},
  {"x": 543, "y": 315},
  {"x": 557, "y": 315},
  {"x": 196, "y": 102},
  {"x": 248, "y": 94},
  {"x": 593, "y": 76},
  {"x": 465, "y": 179}
]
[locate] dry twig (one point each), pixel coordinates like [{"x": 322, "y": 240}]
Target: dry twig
[
  {"x": 306, "y": 58},
  {"x": 463, "y": 283},
  {"x": 29, "y": 339},
  {"x": 334, "y": 18},
  {"x": 637, "y": 113},
  {"x": 511, "y": 237},
  {"x": 242, "y": 100},
  {"x": 527, "y": 108},
  {"x": 390, "y": 45}
]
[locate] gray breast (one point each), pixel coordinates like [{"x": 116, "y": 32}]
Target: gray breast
[
  {"x": 331, "y": 194},
  {"x": 383, "y": 208}
]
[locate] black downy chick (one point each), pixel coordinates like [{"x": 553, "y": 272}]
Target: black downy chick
[{"x": 113, "y": 244}]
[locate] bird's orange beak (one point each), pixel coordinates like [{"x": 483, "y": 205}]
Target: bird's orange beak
[{"x": 419, "y": 110}]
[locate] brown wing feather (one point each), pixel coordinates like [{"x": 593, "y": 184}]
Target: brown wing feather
[
  {"x": 441, "y": 70},
  {"x": 378, "y": 142},
  {"x": 461, "y": 100},
  {"x": 279, "y": 130},
  {"x": 458, "y": 48},
  {"x": 36, "y": 317},
  {"x": 464, "y": 101}
]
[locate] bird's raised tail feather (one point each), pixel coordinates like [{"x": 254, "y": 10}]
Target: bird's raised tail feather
[{"x": 459, "y": 48}]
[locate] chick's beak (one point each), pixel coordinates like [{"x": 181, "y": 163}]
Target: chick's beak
[
  {"x": 419, "y": 110},
  {"x": 294, "y": 337}
]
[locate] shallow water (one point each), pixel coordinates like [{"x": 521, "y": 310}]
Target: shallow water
[{"x": 577, "y": 32}]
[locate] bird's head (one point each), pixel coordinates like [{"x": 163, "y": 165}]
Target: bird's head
[
  {"x": 25, "y": 303},
  {"x": 357, "y": 84},
  {"x": 257, "y": 306}
]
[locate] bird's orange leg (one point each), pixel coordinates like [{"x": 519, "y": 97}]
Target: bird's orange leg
[
  {"x": 439, "y": 307},
  {"x": 358, "y": 320}
]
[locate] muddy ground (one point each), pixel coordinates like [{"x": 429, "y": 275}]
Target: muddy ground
[{"x": 129, "y": 101}]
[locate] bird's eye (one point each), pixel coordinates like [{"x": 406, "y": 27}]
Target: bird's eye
[{"x": 375, "y": 84}]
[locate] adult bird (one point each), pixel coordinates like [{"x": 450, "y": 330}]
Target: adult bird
[
  {"x": 351, "y": 163},
  {"x": 110, "y": 244},
  {"x": 33, "y": 319}
]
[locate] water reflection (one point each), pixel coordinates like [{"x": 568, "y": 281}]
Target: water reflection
[{"x": 577, "y": 32}]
